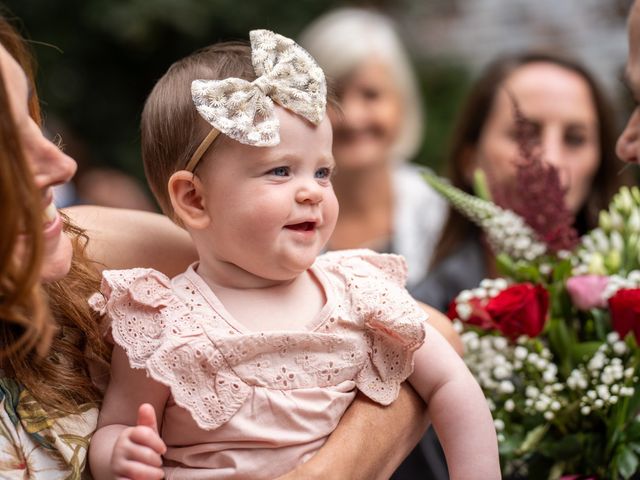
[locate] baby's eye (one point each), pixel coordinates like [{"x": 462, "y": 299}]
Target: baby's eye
[
  {"x": 280, "y": 171},
  {"x": 324, "y": 172}
]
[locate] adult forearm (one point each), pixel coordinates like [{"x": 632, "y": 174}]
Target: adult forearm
[{"x": 370, "y": 442}]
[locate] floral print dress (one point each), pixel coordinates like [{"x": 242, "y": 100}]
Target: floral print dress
[{"x": 39, "y": 444}]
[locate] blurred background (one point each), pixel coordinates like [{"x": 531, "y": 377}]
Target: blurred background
[{"x": 98, "y": 59}]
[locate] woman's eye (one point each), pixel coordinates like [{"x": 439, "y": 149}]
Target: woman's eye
[
  {"x": 370, "y": 94},
  {"x": 280, "y": 171},
  {"x": 324, "y": 172},
  {"x": 575, "y": 139}
]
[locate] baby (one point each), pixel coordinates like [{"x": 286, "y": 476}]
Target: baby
[{"x": 251, "y": 356}]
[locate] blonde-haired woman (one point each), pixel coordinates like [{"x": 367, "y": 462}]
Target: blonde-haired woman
[{"x": 378, "y": 128}]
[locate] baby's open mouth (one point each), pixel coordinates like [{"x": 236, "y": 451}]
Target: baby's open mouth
[{"x": 303, "y": 226}]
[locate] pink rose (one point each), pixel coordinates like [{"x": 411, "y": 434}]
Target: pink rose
[{"x": 586, "y": 291}]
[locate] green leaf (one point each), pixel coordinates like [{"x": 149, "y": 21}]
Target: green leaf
[
  {"x": 480, "y": 185},
  {"x": 632, "y": 431},
  {"x": 561, "y": 341},
  {"x": 601, "y": 322},
  {"x": 562, "y": 448},
  {"x": 562, "y": 271},
  {"x": 627, "y": 463},
  {"x": 584, "y": 349},
  {"x": 505, "y": 265},
  {"x": 533, "y": 438}
]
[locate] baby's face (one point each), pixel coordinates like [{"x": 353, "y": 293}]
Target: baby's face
[{"x": 272, "y": 209}]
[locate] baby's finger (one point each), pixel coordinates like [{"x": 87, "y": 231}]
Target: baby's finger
[
  {"x": 147, "y": 417},
  {"x": 138, "y": 471},
  {"x": 142, "y": 454},
  {"x": 147, "y": 437}
]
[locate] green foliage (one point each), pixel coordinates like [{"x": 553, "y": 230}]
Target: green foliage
[{"x": 98, "y": 60}]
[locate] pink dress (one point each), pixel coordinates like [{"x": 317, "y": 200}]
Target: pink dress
[{"x": 254, "y": 405}]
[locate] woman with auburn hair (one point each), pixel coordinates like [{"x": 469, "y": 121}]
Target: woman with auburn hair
[
  {"x": 50, "y": 264},
  {"x": 572, "y": 124}
]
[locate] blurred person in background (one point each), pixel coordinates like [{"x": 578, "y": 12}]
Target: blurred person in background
[
  {"x": 378, "y": 128},
  {"x": 49, "y": 265},
  {"x": 572, "y": 125}
]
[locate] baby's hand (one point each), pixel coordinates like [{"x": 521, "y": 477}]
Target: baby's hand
[{"x": 137, "y": 452}]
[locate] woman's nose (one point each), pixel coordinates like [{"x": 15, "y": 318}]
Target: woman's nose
[
  {"x": 353, "y": 111},
  {"x": 554, "y": 155},
  {"x": 627, "y": 146},
  {"x": 53, "y": 166}
]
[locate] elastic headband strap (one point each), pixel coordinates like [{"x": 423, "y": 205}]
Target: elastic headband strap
[{"x": 200, "y": 151}]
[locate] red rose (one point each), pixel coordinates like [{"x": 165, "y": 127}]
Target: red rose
[
  {"x": 520, "y": 309},
  {"x": 625, "y": 311},
  {"x": 478, "y": 315}
]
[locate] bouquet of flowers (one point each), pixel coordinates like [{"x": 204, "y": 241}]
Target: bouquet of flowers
[{"x": 554, "y": 342}]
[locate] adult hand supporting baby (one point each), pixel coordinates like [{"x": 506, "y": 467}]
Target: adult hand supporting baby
[
  {"x": 370, "y": 441},
  {"x": 137, "y": 454}
]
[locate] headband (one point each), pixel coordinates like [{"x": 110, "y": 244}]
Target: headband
[{"x": 287, "y": 74}]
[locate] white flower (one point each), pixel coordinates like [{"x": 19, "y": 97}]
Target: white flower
[
  {"x": 531, "y": 391},
  {"x": 506, "y": 387},
  {"x": 500, "y": 343},
  {"x": 500, "y": 283},
  {"x": 509, "y": 405},
  {"x": 603, "y": 392},
  {"x": 463, "y": 310},
  {"x": 619, "y": 348},
  {"x": 479, "y": 293},
  {"x": 613, "y": 337},
  {"x": 464, "y": 296},
  {"x": 499, "y": 424},
  {"x": 549, "y": 375},
  {"x": 548, "y": 415},
  {"x": 585, "y": 410},
  {"x": 500, "y": 372},
  {"x": 541, "y": 364},
  {"x": 520, "y": 352}
]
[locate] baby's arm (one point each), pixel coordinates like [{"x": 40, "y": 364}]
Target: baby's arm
[
  {"x": 458, "y": 410},
  {"x": 126, "y": 444},
  {"x": 441, "y": 323},
  {"x": 371, "y": 441}
]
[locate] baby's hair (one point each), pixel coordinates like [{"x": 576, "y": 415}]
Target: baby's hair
[{"x": 171, "y": 128}]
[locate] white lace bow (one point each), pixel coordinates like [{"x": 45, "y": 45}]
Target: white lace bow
[{"x": 244, "y": 111}]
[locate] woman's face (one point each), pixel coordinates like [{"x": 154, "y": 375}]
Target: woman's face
[
  {"x": 48, "y": 164},
  {"x": 371, "y": 117},
  {"x": 559, "y": 104}
]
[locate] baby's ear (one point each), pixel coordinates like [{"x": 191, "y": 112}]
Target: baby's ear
[{"x": 185, "y": 191}]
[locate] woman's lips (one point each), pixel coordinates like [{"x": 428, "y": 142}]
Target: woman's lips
[{"x": 52, "y": 223}]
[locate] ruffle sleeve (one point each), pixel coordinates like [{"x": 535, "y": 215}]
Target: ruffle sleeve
[
  {"x": 162, "y": 334},
  {"x": 393, "y": 321}
]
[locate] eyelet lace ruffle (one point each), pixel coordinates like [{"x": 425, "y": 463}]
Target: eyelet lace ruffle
[
  {"x": 157, "y": 332},
  {"x": 169, "y": 328},
  {"x": 393, "y": 321}
]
